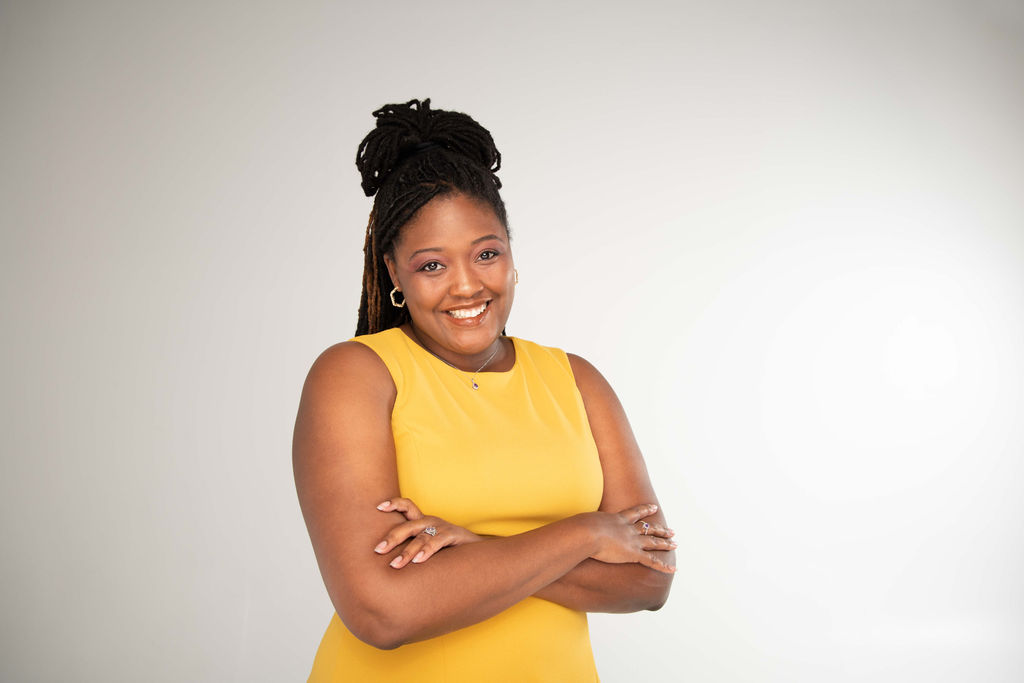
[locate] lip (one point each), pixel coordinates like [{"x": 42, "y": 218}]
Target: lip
[{"x": 469, "y": 322}]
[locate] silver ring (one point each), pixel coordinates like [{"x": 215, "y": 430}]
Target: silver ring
[
  {"x": 645, "y": 526},
  {"x": 430, "y": 530}
]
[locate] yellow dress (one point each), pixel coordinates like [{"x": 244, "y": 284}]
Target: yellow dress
[{"x": 507, "y": 458}]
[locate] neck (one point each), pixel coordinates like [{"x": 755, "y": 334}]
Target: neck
[{"x": 491, "y": 357}]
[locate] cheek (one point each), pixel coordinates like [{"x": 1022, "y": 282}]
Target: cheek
[
  {"x": 507, "y": 287},
  {"x": 510, "y": 279},
  {"x": 425, "y": 292}
]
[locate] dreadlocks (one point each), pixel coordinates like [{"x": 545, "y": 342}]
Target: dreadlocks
[{"x": 414, "y": 154}]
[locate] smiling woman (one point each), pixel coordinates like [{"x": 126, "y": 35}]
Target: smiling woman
[
  {"x": 454, "y": 266},
  {"x": 470, "y": 496}
]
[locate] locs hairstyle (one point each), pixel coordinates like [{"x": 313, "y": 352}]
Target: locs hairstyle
[{"x": 413, "y": 155}]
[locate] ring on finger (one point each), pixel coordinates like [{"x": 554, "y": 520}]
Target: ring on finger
[
  {"x": 645, "y": 527},
  {"x": 431, "y": 530}
]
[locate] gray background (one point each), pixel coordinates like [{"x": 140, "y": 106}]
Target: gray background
[{"x": 789, "y": 233}]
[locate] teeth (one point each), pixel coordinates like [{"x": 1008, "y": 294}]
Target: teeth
[{"x": 464, "y": 313}]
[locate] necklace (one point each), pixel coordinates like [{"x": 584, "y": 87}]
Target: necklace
[{"x": 472, "y": 380}]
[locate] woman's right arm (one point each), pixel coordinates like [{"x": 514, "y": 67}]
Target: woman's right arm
[{"x": 344, "y": 462}]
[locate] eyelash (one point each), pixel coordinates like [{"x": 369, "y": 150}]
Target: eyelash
[{"x": 426, "y": 267}]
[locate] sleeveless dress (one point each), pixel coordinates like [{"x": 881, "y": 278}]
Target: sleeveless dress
[{"x": 504, "y": 459}]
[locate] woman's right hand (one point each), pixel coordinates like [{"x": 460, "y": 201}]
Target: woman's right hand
[
  {"x": 623, "y": 537},
  {"x": 422, "y": 544}
]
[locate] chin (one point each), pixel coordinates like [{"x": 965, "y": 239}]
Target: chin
[{"x": 470, "y": 342}]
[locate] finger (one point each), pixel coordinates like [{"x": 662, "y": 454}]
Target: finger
[
  {"x": 655, "y": 530},
  {"x": 403, "y": 505},
  {"x": 431, "y": 544},
  {"x": 658, "y": 543},
  {"x": 421, "y": 547},
  {"x": 400, "y": 533},
  {"x": 408, "y": 552},
  {"x": 638, "y": 512},
  {"x": 653, "y": 561}
]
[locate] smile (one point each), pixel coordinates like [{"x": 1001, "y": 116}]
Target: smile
[{"x": 467, "y": 313}]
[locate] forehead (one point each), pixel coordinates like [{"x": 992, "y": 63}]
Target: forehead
[{"x": 449, "y": 221}]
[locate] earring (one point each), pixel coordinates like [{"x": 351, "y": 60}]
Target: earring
[
  {"x": 395, "y": 303},
  {"x": 516, "y": 274}
]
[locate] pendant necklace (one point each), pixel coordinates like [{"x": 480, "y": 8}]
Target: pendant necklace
[{"x": 472, "y": 380}]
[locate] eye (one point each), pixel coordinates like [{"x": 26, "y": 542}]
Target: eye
[
  {"x": 488, "y": 255},
  {"x": 431, "y": 267}
]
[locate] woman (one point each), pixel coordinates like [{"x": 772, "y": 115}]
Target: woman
[{"x": 469, "y": 496}]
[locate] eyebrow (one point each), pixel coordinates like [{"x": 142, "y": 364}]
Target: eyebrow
[{"x": 492, "y": 236}]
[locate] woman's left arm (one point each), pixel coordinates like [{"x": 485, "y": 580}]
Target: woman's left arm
[{"x": 596, "y": 586}]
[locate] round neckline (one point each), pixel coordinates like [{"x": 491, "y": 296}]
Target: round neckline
[{"x": 515, "y": 362}]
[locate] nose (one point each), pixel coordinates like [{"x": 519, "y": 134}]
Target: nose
[{"x": 465, "y": 283}]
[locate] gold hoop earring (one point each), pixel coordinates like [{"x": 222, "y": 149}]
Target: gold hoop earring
[
  {"x": 395, "y": 303},
  {"x": 515, "y": 273}
]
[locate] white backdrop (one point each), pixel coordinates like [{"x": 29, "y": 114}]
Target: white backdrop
[{"x": 791, "y": 234}]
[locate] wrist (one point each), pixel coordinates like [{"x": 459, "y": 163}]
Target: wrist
[{"x": 584, "y": 530}]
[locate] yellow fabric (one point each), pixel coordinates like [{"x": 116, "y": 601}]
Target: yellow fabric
[{"x": 514, "y": 455}]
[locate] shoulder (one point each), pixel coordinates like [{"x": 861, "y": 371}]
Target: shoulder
[
  {"x": 345, "y": 369},
  {"x": 364, "y": 355},
  {"x": 345, "y": 358},
  {"x": 591, "y": 383},
  {"x": 347, "y": 392},
  {"x": 581, "y": 367},
  {"x": 539, "y": 354}
]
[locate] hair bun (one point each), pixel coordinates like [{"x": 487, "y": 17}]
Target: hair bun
[{"x": 403, "y": 130}]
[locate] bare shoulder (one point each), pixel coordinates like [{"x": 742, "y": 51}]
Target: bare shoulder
[
  {"x": 347, "y": 365},
  {"x": 591, "y": 383},
  {"x": 348, "y": 390}
]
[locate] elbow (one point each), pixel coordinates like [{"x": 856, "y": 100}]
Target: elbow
[
  {"x": 650, "y": 601},
  {"x": 376, "y": 633},
  {"x": 381, "y": 641},
  {"x": 373, "y": 625},
  {"x": 657, "y": 592},
  {"x": 658, "y": 603},
  {"x": 382, "y": 615},
  {"x": 646, "y": 595}
]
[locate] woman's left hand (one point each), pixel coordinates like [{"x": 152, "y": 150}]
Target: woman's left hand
[{"x": 416, "y": 526}]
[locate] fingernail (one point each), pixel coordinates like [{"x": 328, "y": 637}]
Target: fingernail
[
  {"x": 394, "y": 562},
  {"x": 380, "y": 547},
  {"x": 653, "y": 506},
  {"x": 384, "y": 505},
  {"x": 419, "y": 557},
  {"x": 673, "y": 546}
]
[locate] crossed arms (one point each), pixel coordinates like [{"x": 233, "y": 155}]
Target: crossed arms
[{"x": 344, "y": 464}]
